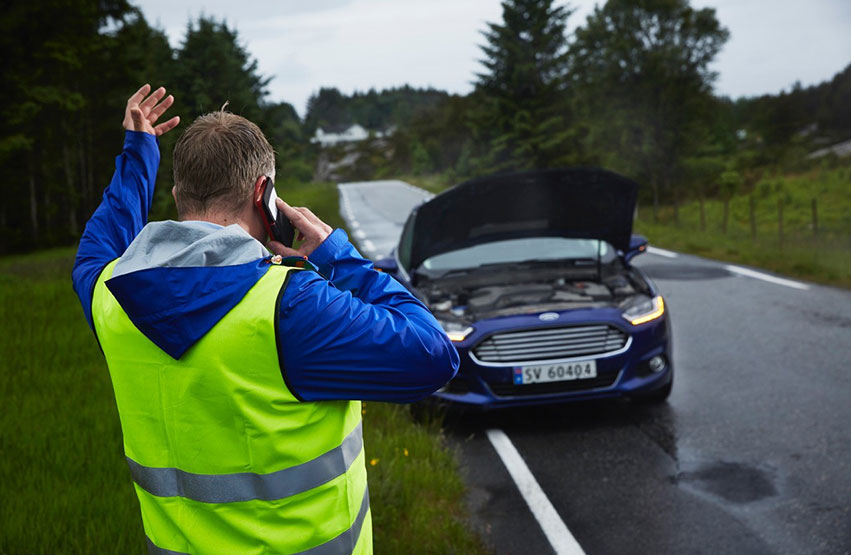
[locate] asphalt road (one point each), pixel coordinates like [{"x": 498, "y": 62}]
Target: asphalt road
[
  {"x": 751, "y": 454},
  {"x": 375, "y": 212}
]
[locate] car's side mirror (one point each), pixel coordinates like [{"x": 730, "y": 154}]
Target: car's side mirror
[
  {"x": 387, "y": 265},
  {"x": 637, "y": 245}
]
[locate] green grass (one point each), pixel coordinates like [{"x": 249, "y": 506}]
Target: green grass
[
  {"x": 64, "y": 484},
  {"x": 823, "y": 256},
  {"x": 416, "y": 490},
  {"x": 321, "y": 198}
]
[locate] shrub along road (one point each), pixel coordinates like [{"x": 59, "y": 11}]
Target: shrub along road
[{"x": 749, "y": 455}]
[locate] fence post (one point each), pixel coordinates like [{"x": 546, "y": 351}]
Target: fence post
[
  {"x": 780, "y": 219},
  {"x": 753, "y": 218},
  {"x": 815, "y": 218}
]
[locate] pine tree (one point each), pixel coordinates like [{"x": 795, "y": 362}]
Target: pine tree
[
  {"x": 524, "y": 115},
  {"x": 214, "y": 68}
]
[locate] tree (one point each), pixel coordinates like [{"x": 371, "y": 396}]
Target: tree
[
  {"x": 327, "y": 109},
  {"x": 70, "y": 66},
  {"x": 213, "y": 68},
  {"x": 643, "y": 69},
  {"x": 52, "y": 54},
  {"x": 284, "y": 130},
  {"x": 375, "y": 110},
  {"x": 524, "y": 114},
  {"x": 442, "y": 131}
]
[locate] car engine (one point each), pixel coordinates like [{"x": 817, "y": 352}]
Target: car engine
[{"x": 471, "y": 301}]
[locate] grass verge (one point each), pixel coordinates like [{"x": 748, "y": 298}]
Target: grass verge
[
  {"x": 812, "y": 248},
  {"x": 64, "y": 485},
  {"x": 813, "y": 261}
]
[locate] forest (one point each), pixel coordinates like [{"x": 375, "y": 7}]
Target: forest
[{"x": 629, "y": 89}]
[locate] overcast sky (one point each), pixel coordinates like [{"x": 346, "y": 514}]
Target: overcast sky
[{"x": 358, "y": 44}]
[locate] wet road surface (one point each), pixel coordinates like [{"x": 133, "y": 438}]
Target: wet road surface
[
  {"x": 375, "y": 212},
  {"x": 751, "y": 453}
]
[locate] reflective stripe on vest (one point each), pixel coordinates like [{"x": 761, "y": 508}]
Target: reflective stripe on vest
[
  {"x": 223, "y": 457},
  {"x": 248, "y": 486},
  {"x": 342, "y": 544}
]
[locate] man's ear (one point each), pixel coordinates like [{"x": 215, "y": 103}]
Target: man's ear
[{"x": 258, "y": 182}]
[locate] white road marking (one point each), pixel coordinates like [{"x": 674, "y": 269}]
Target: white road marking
[
  {"x": 662, "y": 252},
  {"x": 368, "y": 246},
  {"x": 359, "y": 234},
  {"x": 767, "y": 277},
  {"x": 554, "y": 528}
]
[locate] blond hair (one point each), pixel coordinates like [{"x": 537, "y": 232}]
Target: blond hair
[{"x": 216, "y": 163}]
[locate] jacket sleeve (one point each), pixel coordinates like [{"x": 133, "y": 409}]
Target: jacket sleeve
[
  {"x": 358, "y": 334},
  {"x": 121, "y": 215}
]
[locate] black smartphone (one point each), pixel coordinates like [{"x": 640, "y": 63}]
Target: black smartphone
[{"x": 277, "y": 225}]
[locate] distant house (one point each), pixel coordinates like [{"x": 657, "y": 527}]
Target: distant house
[{"x": 353, "y": 134}]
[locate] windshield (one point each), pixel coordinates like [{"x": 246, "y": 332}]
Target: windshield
[{"x": 521, "y": 250}]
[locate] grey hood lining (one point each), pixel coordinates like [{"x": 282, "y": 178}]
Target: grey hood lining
[{"x": 189, "y": 244}]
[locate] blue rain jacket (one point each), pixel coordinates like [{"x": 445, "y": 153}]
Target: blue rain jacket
[{"x": 346, "y": 331}]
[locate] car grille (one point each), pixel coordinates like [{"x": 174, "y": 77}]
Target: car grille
[
  {"x": 508, "y": 389},
  {"x": 550, "y": 344}
]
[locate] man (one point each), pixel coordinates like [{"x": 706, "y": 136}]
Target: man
[{"x": 238, "y": 377}]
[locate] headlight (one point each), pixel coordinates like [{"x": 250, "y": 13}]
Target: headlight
[
  {"x": 456, "y": 331},
  {"x": 644, "y": 311}
]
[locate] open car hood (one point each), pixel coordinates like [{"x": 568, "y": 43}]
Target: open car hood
[{"x": 585, "y": 203}]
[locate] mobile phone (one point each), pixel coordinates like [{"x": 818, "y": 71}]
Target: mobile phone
[{"x": 278, "y": 227}]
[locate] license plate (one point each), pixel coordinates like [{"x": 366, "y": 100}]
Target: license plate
[{"x": 555, "y": 372}]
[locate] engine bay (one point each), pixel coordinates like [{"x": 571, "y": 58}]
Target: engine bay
[{"x": 468, "y": 300}]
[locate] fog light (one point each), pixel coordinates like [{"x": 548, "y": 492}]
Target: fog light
[{"x": 656, "y": 364}]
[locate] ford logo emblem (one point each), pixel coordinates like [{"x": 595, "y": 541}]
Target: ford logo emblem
[{"x": 548, "y": 316}]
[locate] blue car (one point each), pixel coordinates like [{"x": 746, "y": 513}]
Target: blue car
[{"x": 530, "y": 276}]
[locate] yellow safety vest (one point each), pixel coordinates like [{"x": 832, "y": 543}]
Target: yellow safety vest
[{"x": 224, "y": 458}]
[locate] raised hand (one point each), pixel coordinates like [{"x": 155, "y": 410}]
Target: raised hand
[{"x": 142, "y": 113}]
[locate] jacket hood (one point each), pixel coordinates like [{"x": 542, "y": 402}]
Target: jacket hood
[
  {"x": 176, "y": 280},
  {"x": 586, "y": 203}
]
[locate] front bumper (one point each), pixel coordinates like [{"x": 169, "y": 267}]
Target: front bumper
[{"x": 620, "y": 374}]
